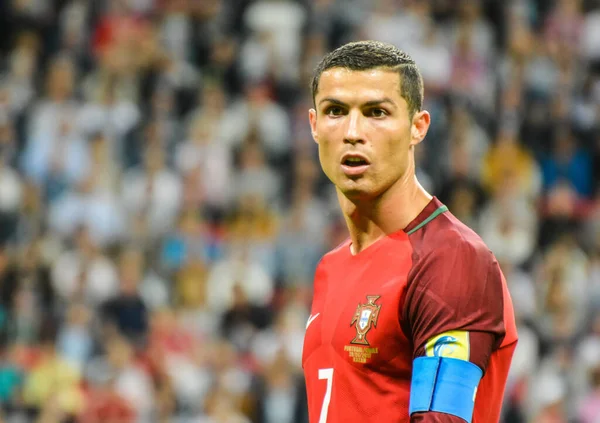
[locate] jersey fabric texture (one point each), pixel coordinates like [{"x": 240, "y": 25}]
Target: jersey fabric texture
[{"x": 432, "y": 289}]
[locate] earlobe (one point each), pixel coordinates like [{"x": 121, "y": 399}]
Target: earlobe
[
  {"x": 415, "y": 136},
  {"x": 420, "y": 126}
]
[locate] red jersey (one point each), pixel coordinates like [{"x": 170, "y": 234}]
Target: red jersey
[{"x": 375, "y": 312}]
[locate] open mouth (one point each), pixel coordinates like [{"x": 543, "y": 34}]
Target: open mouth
[{"x": 355, "y": 162}]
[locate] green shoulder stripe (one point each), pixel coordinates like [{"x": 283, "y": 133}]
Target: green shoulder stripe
[{"x": 432, "y": 216}]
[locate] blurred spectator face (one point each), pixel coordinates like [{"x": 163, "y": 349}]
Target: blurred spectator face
[
  {"x": 556, "y": 299},
  {"x": 463, "y": 203},
  {"x": 279, "y": 372},
  {"x": 100, "y": 149},
  {"x": 116, "y": 60},
  {"x": 469, "y": 10},
  {"x": 4, "y": 100},
  {"x": 461, "y": 120},
  {"x": 258, "y": 95},
  {"x": 30, "y": 257},
  {"x": 119, "y": 353},
  {"x": 28, "y": 41},
  {"x": 553, "y": 413},
  {"x": 155, "y": 159},
  {"x": 596, "y": 326},
  {"x": 561, "y": 201},
  {"x": 387, "y": 7},
  {"x": 306, "y": 169},
  {"x": 61, "y": 79},
  {"x": 221, "y": 406},
  {"x": 4, "y": 259},
  {"x": 560, "y": 108},
  {"x": 222, "y": 355},
  {"x": 520, "y": 41},
  {"x": 240, "y": 299},
  {"x": 193, "y": 189},
  {"x": 191, "y": 284},
  {"x": 7, "y": 140},
  {"x": 107, "y": 91},
  {"x": 508, "y": 188},
  {"x": 460, "y": 158},
  {"x": 84, "y": 242},
  {"x": 25, "y": 310},
  {"x": 131, "y": 271},
  {"x": 254, "y": 221},
  {"x": 564, "y": 145},
  {"x": 73, "y": 23},
  {"x": 464, "y": 43},
  {"x": 596, "y": 378},
  {"x": 191, "y": 224},
  {"x": 252, "y": 157},
  {"x": 23, "y": 64},
  {"x": 223, "y": 52},
  {"x": 78, "y": 315},
  {"x": 213, "y": 98},
  {"x": 154, "y": 134},
  {"x": 32, "y": 200},
  {"x": 202, "y": 130},
  {"x": 569, "y": 7},
  {"x": 118, "y": 7},
  {"x": 163, "y": 101},
  {"x": 511, "y": 96}
]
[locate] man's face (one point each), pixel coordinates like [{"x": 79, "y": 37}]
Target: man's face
[{"x": 364, "y": 132}]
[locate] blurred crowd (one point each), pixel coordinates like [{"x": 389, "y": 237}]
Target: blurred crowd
[{"x": 162, "y": 209}]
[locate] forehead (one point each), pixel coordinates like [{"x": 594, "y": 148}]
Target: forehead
[{"x": 365, "y": 85}]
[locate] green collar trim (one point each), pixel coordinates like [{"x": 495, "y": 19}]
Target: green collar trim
[{"x": 432, "y": 216}]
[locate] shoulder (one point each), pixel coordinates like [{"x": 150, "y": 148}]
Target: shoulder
[
  {"x": 455, "y": 283},
  {"x": 445, "y": 239},
  {"x": 334, "y": 256},
  {"x": 450, "y": 258}
]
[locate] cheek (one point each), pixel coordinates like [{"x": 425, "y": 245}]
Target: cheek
[
  {"x": 326, "y": 144},
  {"x": 394, "y": 156},
  {"x": 326, "y": 156}
]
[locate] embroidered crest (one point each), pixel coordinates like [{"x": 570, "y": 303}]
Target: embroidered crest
[{"x": 365, "y": 318}]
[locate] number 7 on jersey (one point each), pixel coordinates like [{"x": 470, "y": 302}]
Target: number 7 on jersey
[{"x": 328, "y": 375}]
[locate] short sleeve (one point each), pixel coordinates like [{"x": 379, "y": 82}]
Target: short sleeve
[{"x": 455, "y": 292}]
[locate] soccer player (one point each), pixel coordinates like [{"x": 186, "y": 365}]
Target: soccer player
[{"x": 411, "y": 319}]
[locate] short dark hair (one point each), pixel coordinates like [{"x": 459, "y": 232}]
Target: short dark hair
[{"x": 365, "y": 55}]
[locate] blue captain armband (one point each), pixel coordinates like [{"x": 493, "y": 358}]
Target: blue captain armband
[{"x": 444, "y": 385}]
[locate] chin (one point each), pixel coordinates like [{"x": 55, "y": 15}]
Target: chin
[
  {"x": 354, "y": 190},
  {"x": 363, "y": 189}
]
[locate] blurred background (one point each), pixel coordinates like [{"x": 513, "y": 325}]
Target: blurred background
[{"x": 162, "y": 209}]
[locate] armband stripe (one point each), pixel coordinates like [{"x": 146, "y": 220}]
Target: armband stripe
[{"x": 444, "y": 385}]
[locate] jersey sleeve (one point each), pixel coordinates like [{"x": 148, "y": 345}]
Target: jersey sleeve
[
  {"x": 454, "y": 303},
  {"x": 432, "y": 417}
]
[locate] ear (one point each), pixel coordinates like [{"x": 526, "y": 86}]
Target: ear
[
  {"x": 420, "y": 126},
  {"x": 312, "y": 117}
]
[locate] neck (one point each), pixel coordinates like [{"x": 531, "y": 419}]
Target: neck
[{"x": 370, "y": 220}]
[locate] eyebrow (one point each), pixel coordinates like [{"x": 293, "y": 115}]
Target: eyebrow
[{"x": 370, "y": 103}]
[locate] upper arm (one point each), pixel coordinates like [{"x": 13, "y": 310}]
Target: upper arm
[
  {"x": 453, "y": 311},
  {"x": 454, "y": 304}
]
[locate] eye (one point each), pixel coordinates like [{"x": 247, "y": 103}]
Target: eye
[
  {"x": 334, "y": 111},
  {"x": 377, "y": 113}
]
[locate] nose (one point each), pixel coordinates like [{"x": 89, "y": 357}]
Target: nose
[{"x": 354, "y": 128}]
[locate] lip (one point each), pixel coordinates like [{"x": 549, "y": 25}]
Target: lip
[
  {"x": 354, "y": 170},
  {"x": 355, "y": 156}
]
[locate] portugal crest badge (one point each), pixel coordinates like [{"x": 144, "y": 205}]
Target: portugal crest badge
[{"x": 365, "y": 318}]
